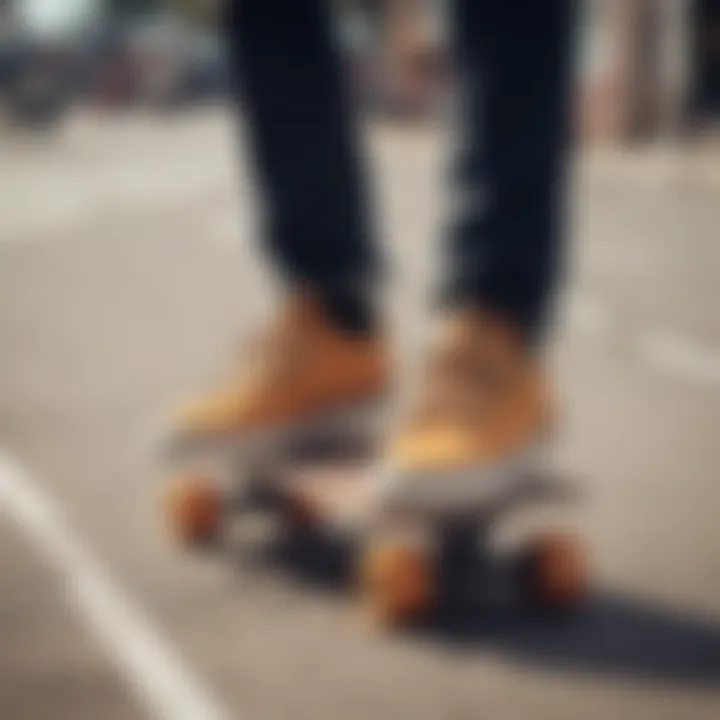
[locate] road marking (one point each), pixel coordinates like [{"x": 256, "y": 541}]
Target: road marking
[
  {"x": 153, "y": 670},
  {"x": 681, "y": 357}
]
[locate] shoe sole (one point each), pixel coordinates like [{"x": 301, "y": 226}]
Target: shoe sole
[
  {"x": 357, "y": 420},
  {"x": 469, "y": 489}
]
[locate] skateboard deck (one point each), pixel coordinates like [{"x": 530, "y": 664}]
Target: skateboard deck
[
  {"x": 346, "y": 494},
  {"x": 403, "y": 548}
]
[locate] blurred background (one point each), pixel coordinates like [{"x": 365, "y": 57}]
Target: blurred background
[
  {"x": 648, "y": 67},
  {"x": 129, "y": 267}
]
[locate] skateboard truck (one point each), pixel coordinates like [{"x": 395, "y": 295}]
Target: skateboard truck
[{"x": 410, "y": 560}]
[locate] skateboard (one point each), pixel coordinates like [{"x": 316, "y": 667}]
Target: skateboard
[{"x": 408, "y": 557}]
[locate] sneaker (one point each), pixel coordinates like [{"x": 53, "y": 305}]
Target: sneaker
[
  {"x": 302, "y": 373},
  {"x": 481, "y": 418}
]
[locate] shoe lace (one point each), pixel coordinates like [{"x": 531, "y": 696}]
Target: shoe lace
[
  {"x": 274, "y": 352},
  {"x": 465, "y": 381}
]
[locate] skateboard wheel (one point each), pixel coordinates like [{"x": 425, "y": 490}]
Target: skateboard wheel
[
  {"x": 397, "y": 585},
  {"x": 194, "y": 510},
  {"x": 554, "y": 571},
  {"x": 297, "y": 514}
]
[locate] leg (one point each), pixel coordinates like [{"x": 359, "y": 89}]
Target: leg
[
  {"x": 302, "y": 136},
  {"x": 486, "y": 407},
  {"x": 513, "y": 61},
  {"x": 322, "y": 354}
]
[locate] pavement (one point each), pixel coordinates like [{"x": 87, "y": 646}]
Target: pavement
[{"x": 127, "y": 274}]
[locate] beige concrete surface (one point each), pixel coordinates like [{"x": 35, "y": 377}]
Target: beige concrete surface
[{"x": 127, "y": 274}]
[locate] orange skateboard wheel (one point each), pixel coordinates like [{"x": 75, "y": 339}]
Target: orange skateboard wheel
[
  {"x": 194, "y": 509},
  {"x": 555, "y": 571},
  {"x": 298, "y": 513},
  {"x": 397, "y": 584}
]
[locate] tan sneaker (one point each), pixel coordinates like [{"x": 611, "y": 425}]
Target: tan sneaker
[
  {"x": 301, "y": 371},
  {"x": 481, "y": 418}
]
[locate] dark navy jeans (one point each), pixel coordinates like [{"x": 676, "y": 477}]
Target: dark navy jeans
[{"x": 512, "y": 61}]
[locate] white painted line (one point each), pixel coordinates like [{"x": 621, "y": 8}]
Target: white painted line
[
  {"x": 681, "y": 357},
  {"x": 154, "y": 672}
]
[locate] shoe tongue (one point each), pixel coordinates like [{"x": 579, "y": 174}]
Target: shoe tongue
[
  {"x": 301, "y": 309},
  {"x": 474, "y": 328},
  {"x": 457, "y": 328}
]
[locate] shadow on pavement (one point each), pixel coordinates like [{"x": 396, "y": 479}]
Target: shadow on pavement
[{"x": 610, "y": 634}]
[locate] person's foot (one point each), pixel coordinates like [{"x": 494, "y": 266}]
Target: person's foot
[
  {"x": 303, "y": 370},
  {"x": 483, "y": 410}
]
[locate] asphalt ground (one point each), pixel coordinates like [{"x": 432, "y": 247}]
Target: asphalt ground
[{"x": 128, "y": 273}]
